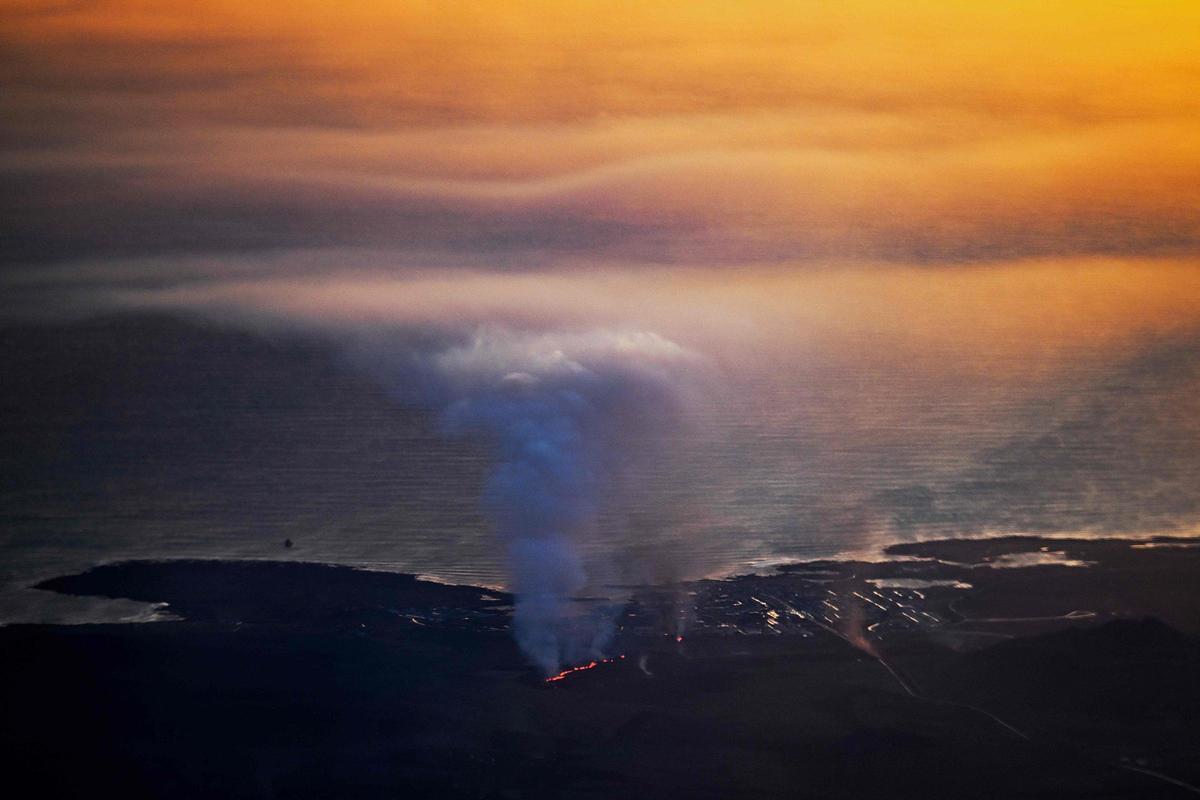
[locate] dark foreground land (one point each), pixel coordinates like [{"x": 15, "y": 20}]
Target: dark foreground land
[{"x": 1002, "y": 668}]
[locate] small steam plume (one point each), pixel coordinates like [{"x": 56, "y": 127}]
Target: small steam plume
[
  {"x": 567, "y": 414},
  {"x": 853, "y": 629}
]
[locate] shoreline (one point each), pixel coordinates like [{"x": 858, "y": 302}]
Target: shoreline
[
  {"x": 995, "y": 571},
  {"x": 893, "y": 553}
]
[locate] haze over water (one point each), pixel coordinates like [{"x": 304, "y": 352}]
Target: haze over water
[{"x": 935, "y": 273}]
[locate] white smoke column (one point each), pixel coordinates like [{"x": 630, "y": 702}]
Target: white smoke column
[{"x": 566, "y": 412}]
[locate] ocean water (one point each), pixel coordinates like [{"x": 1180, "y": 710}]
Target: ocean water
[{"x": 144, "y": 436}]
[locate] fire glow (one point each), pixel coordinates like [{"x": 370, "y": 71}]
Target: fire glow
[{"x": 583, "y": 667}]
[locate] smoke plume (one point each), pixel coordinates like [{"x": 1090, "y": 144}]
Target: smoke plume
[{"x": 567, "y": 414}]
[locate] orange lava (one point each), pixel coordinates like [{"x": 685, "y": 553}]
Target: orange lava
[{"x": 582, "y": 667}]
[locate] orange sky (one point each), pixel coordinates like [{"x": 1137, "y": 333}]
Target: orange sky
[{"x": 546, "y": 134}]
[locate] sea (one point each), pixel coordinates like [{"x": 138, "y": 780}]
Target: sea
[{"x": 153, "y": 436}]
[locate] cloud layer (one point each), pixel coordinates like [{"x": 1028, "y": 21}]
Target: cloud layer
[{"x": 544, "y": 135}]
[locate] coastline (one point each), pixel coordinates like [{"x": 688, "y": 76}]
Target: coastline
[{"x": 67, "y": 609}]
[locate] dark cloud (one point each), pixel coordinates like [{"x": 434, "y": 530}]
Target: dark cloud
[
  {"x": 129, "y": 213},
  {"x": 120, "y": 212}
]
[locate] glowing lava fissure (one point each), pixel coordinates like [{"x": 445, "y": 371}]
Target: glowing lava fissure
[{"x": 583, "y": 668}]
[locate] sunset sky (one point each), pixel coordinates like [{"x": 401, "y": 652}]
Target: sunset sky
[{"x": 530, "y": 135}]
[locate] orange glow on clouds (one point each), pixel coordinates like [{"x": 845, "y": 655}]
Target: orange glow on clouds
[{"x": 530, "y": 134}]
